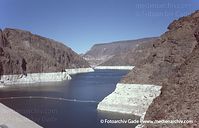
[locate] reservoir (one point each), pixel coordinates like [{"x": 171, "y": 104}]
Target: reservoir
[{"x": 69, "y": 104}]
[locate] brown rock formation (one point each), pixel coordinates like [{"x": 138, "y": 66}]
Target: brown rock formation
[
  {"x": 173, "y": 63},
  {"x": 22, "y": 52},
  {"x": 135, "y": 56},
  {"x": 167, "y": 54},
  {"x": 179, "y": 98},
  {"x": 114, "y": 53}
]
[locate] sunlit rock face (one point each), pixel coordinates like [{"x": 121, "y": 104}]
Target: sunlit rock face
[
  {"x": 78, "y": 70},
  {"x": 21, "y": 79},
  {"x": 130, "y": 98},
  {"x": 33, "y": 78}
]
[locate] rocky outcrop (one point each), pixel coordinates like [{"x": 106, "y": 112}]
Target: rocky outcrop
[
  {"x": 167, "y": 54},
  {"x": 30, "y": 58},
  {"x": 130, "y": 98},
  {"x": 173, "y": 64},
  {"x": 41, "y": 77},
  {"x": 3, "y": 40},
  {"x": 22, "y": 52},
  {"x": 100, "y": 53},
  {"x": 33, "y": 78},
  {"x": 179, "y": 98}
]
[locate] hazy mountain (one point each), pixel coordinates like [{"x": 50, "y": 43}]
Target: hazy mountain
[
  {"x": 100, "y": 53},
  {"x": 133, "y": 56}
]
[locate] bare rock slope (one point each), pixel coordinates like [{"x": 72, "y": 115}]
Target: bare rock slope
[
  {"x": 134, "y": 56},
  {"x": 179, "y": 98},
  {"x": 22, "y": 52},
  {"x": 111, "y": 54},
  {"x": 173, "y": 63},
  {"x": 167, "y": 53}
]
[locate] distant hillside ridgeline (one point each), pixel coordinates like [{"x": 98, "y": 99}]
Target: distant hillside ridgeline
[{"x": 100, "y": 54}]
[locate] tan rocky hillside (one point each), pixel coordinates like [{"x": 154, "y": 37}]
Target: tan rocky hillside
[
  {"x": 24, "y": 52},
  {"x": 168, "y": 53},
  {"x": 100, "y": 53},
  {"x": 179, "y": 98},
  {"x": 173, "y": 63},
  {"x": 135, "y": 56}
]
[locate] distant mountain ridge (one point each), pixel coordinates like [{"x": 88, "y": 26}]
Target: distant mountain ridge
[
  {"x": 125, "y": 42},
  {"x": 133, "y": 57},
  {"x": 100, "y": 53}
]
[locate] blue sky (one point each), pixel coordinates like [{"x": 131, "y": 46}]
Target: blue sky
[{"x": 81, "y": 23}]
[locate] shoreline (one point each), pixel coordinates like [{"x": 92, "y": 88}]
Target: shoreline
[
  {"x": 34, "y": 78},
  {"x": 11, "y": 118},
  {"x": 41, "y": 77},
  {"x": 115, "y": 67},
  {"x": 130, "y": 98},
  {"x": 78, "y": 70}
]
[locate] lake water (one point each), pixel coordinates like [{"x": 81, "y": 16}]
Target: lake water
[{"x": 70, "y": 104}]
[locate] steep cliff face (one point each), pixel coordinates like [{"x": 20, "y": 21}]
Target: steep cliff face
[
  {"x": 100, "y": 54},
  {"x": 22, "y": 52},
  {"x": 168, "y": 53},
  {"x": 179, "y": 98},
  {"x": 173, "y": 63},
  {"x": 10, "y": 62}
]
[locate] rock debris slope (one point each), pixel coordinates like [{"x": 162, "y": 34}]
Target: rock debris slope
[{"x": 22, "y": 52}]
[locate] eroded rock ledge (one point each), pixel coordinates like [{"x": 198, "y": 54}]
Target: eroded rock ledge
[
  {"x": 41, "y": 77},
  {"x": 130, "y": 98}
]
